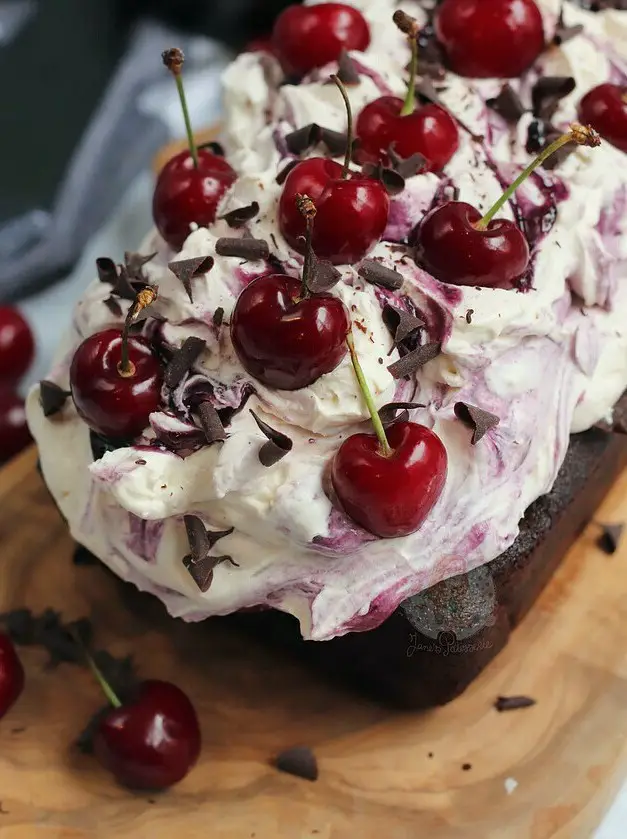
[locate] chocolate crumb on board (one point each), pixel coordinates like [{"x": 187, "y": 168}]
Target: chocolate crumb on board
[
  {"x": 299, "y": 761},
  {"x": 183, "y": 360},
  {"x": 241, "y": 215},
  {"x": 478, "y": 420},
  {"x": 414, "y": 360},
  {"x": 187, "y": 270},
  {"x": 610, "y": 537},
  {"x": 466, "y": 766},
  {"x": 52, "y": 397},
  {"x": 513, "y": 703},
  {"x": 277, "y": 445}
]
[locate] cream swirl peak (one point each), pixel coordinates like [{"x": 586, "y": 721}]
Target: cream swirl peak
[{"x": 547, "y": 361}]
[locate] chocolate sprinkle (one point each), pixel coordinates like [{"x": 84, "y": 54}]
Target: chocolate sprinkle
[
  {"x": 304, "y": 138},
  {"x": 507, "y": 104},
  {"x": 347, "y": 71},
  {"x": 188, "y": 269},
  {"x": 245, "y": 248},
  {"x": 610, "y": 538},
  {"x": 241, "y": 215},
  {"x": 211, "y": 422},
  {"x": 400, "y": 323},
  {"x": 323, "y": 277},
  {"x": 512, "y": 703},
  {"x": 218, "y": 317},
  {"x": 566, "y": 33},
  {"x": 389, "y": 413},
  {"x": 469, "y": 314},
  {"x": 406, "y": 167},
  {"x": 547, "y": 93},
  {"x": 378, "y": 274},
  {"x": 278, "y": 444},
  {"x": 393, "y": 182},
  {"x": 477, "y": 419},
  {"x": 52, "y": 397},
  {"x": 299, "y": 761},
  {"x": 183, "y": 360},
  {"x": 466, "y": 767},
  {"x": 414, "y": 360},
  {"x": 107, "y": 271},
  {"x": 282, "y": 176}
]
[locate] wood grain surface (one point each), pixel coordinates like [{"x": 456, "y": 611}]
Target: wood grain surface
[{"x": 568, "y": 753}]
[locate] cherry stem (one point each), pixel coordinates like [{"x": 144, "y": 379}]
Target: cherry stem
[
  {"x": 409, "y": 26},
  {"x": 173, "y": 60},
  {"x": 372, "y": 408},
  {"x": 112, "y": 697},
  {"x": 307, "y": 209},
  {"x": 145, "y": 297},
  {"x": 349, "y": 129},
  {"x": 579, "y": 134}
]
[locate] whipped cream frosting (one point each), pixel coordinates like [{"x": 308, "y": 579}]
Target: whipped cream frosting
[{"x": 549, "y": 361}]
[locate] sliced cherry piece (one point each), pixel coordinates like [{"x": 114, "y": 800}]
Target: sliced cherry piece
[
  {"x": 605, "y": 109},
  {"x": 14, "y": 433},
  {"x": 490, "y": 38},
  {"x": 306, "y": 37},
  {"x": 11, "y": 674}
]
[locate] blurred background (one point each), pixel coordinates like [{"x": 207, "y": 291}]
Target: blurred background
[{"x": 84, "y": 104}]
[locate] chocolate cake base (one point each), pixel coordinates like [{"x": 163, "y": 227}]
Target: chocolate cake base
[{"x": 436, "y": 643}]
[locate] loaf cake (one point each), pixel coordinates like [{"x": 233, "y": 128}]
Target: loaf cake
[{"x": 212, "y": 457}]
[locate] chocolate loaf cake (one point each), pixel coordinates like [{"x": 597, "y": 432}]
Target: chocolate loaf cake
[{"x": 436, "y": 643}]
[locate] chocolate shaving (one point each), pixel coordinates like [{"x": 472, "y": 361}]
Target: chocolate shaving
[
  {"x": 406, "y": 167},
  {"x": 547, "y": 93},
  {"x": 52, "y": 397},
  {"x": 425, "y": 90},
  {"x": 334, "y": 141},
  {"x": 244, "y": 248},
  {"x": 347, "y": 71},
  {"x": 282, "y": 176},
  {"x": 113, "y": 306},
  {"x": 507, "y": 105},
  {"x": 201, "y": 572},
  {"x": 400, "y": 323},
  {"x": 430, "y": 55},
  {"x": 241, "y": 215},
  {"x": 512, "y": 703},
  {"x": 134, "y": 264},
  {"x": 215, "y": 148},
  {"x": 559, "y": 156},
  {"x": 393, "y": 182},
  {"x": 469, "y": 314},
  {"x": 278, "y": 444},
  {"x": 414, "y": 360},
  {"x": 388, "y": 414},
  {"x": 566, "y": 33},
  {"x": 211, "y": 422},
  {"x": 187, "y": 270},
  {"x": 299, "y": 761},
  {"x": 378, "y": 274},
  {"x": 107, "y": 270},
  {"x": 477, "y": 419},
  {"x": 303, "y": 139},
  {"x": 610, "y": 538},
  {"x": 323, "y": 277},
  {"x": 183, "y": 360},
  {"x": 123, "y": 287},
  {"x": 197, "y": 537},
  {"x": 218, "y": 317}
]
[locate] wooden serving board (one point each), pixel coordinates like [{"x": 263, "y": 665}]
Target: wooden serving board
[{"x": 568, "y": 753}]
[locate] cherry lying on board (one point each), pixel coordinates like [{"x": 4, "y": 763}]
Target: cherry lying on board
[
  {"x": 605, "y": 109},
  {"x": 14, "y": 433},
  {"x": 306, "y": 37}
]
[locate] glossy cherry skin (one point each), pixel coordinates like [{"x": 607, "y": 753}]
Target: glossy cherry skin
[
  {"x": 14, "y": 433},
  {"x": 605, "y": 109},
  {"x": 429, "y": 130},
  {"x": 454, "y": 251},
  {"x": 285, "y": 341},
  {"x": 306, "y": 37},
  {"x": 490, "y": 38},
  {"x": 111, "y": 404},
  {"x": 11, "y": 674},
  {"x": 351, "y": 214},
  {"x": 390, "y": 496},
  {"x": 184, "y": 194},
  {"x": 151, "y": 742},
  {"x": 17, "y": 345}
]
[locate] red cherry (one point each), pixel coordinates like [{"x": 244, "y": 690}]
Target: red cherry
[
  {"x": 430, "y": 131},
  {"x": 186, "y": 194},
  {"x": 605, "y": 108},
  {"x": 352, "y": 214},
  {"x": 151, "y": 742},
  {"x": 17, "y": 345},
  {"x": 490, "y": 38},
  {"x": 112, "y": 404},
  {"x": 14, "y": 433},
  {"x": 390, "y": 495},
  {"x": 454, "y": 251},
  {"x": 11, "y": 674},
  {"x": 286, "y": 340},
  {"x": 306, "y": 37}
]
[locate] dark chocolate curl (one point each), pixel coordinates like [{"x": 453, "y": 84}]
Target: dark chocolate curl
[
  {"x": 610, "y": 538},
  {"x": 303, "y": 139},
  {"x": 183, "y": 360},
  {"x": 347, "y": 71},
  {"x": 475, "y": 418},
  {"x": 389, "y": 414},
  {"x": 375, "y": 272},
  {"x": 188, "y": 269},
  {"x": 211, "y": 423},
  {"x": 507, "y": 104},
  {"x": 299, "y": 761},
  {"x": 278, "y": 444},
  {"x": 414, "y": 360},
  {"x": 547, "y": 93},
  {"x": 241, "y": 215},
  {"x": 244, "y": 248},
  {"x": 400, "y": 323},
  {"x": 52, "y": 397},
  {"x": 513, "y": 703}
]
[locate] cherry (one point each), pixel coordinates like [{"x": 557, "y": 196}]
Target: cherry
[
  {"x": 17, "y": 345},
  {"x": 490, "y": 38},
  {"x": 306, "y": 37},
  {"x": 429, "y": 130},
  {"x": 116, "y": 380},
  {"x": 11, "y": 674},
  {"x": 605, "y": 109},
  {"x": 458, "y": 245},
  {"x": 190, "y": 185},
  {"x": 388, "y": 482},
  {"x": 352, "y": 213},
  {"x": 14, "y": 433},
  {"x": 285, "y": 336}
]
